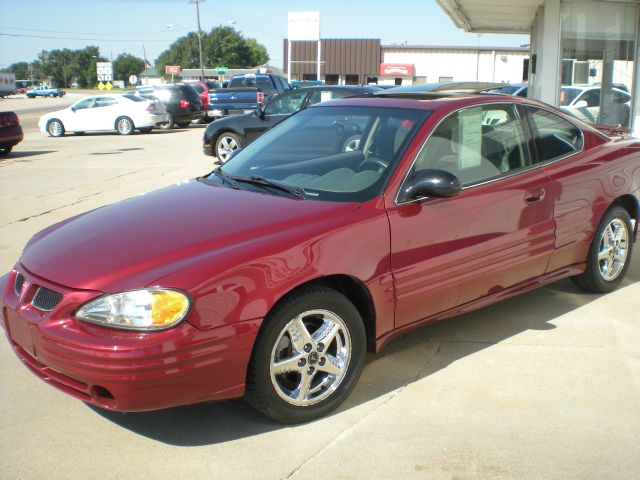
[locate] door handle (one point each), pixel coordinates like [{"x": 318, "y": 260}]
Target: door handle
[{"x": 533, "y": 196}]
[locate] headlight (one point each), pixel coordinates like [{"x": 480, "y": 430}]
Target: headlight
[{"x": 145, "y": 309}]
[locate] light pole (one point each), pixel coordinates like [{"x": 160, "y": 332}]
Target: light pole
[{"x": 197, "y": 2}]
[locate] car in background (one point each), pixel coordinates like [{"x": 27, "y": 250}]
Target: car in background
[
  {"x": 203, "y": 90},
  {"x": 584, "y": 102},
  {"x": 182, "y": 101},
  {"x": 516, "y": 89},
  {"x": 244, "y": 93},
  {"x": 122, "y": 113},
  {"x": 224, "y": 136},
  {"x": 272, "y": 276},
  {"x": 43, "y": 91},
  {"x": 10, "y": 131}
]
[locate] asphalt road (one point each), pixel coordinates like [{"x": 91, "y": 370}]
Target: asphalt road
[{"x": 546, "y": 385}]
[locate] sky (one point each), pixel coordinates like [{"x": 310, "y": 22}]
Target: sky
[{"x": 138, "y": 26}]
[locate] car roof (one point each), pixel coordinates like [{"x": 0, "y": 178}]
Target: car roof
[{"x": 429, "y": 100}]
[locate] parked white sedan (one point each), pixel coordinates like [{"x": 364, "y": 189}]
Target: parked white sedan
[{"x": 123, "y": 113}]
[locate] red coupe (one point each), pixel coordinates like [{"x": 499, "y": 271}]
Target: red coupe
[{"x": 347, "y": 224}]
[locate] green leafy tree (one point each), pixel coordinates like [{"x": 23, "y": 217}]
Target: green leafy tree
[
  {"x": 20, "y": 70},
  {"x": 63, "y": 67},
  {"x": 222, "y": 46},
  {"x": 126, "y": 65}
]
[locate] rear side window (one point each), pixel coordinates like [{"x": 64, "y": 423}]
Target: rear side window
[
  {"x": 134, "y": 98},
  {"x": 555, "y": 137}
]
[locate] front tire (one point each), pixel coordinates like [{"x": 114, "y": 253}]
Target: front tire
[
  {"x": 125, "y": 126},
  {"x": 609, "y": 254},
  {"x": 55, "y": 128},
  {"x": 226, "y": 144},
  {"x": 307, "y": 357}
]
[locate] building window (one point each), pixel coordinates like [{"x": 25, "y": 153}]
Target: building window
[
  {"x": 598, "y": 52},
  {"x": 351, "y": 79},
  {"x": 331, "y": 79},
  {"x": 309, "y": 76}
]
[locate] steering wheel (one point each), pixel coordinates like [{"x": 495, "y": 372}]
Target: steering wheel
[{"x": 373, "y": 163}]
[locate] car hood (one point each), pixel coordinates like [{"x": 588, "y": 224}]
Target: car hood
[{"x": 134, "y": 242}]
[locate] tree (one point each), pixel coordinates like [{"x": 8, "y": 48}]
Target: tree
[
  {"x": 20, "y": 69},
  {"x": 222, "y": 46},
  {"x": 126, "y": 65},
  {"x": 63, "y": 67}
]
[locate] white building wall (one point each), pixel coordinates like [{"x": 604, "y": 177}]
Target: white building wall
[{"x": 464, "y": 64}]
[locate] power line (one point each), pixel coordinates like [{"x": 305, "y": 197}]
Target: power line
[
  {"x": 82, "y": 33},
  {"x": 89, "y": 39}
]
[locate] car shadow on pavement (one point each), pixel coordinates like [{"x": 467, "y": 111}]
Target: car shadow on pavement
[
  {"x": 13, "y": 155},
  {"x": 407, "y": 359}
]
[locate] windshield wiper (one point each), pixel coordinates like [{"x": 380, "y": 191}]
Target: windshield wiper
[
  {"x": 297, "y": 192},
  {"x": 226, "y": 178}
]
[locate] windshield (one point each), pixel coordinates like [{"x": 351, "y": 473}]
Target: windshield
[{"x": 341, "y": 154}]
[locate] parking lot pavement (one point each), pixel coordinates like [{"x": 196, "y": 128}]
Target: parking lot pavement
[{"x": 546, "y": 385}]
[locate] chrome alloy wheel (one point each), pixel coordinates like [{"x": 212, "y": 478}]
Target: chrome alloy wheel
[
  {"x": 55, "y": 128},
  {"x": 310, "y": 358},
  {"x": 124, "y": 126},
  {"x": 614, "y": 249},
  {"x": 226, "y": 146}
]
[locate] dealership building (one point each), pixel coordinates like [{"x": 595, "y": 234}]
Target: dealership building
[
  {"x": 573, "y": 42},
  {"x": 358, "y": 61}
]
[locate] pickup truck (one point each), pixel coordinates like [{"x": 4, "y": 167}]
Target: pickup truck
[
  {"x": 43, "y": 91},
  {"x": 244, "y": 93}
]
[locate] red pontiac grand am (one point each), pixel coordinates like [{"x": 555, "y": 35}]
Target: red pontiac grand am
[{"x": 270, "y": 277}]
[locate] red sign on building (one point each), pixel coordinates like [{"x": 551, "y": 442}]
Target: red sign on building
[
  {"x": 402, "y": 69},
  {"x": 172, "y": 69}
]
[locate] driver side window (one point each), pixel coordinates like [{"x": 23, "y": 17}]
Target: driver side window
[
  {"x": 285, "y": 104},
  {"x": 86, "y": 103},
  {"x": 476, "y": 144}
]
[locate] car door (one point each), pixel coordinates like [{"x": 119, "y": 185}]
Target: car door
[
  {"x": 496, "y": 233},
  {"x": 280, "y": 107},
  {"x": 106, "y": 110},
  {"x": 82, "y": 116}
]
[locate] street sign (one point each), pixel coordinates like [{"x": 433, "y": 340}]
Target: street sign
[
  {"x": 101, "y": 86},
  {"x": 108, "y": 86},
  {"x": 133, "y": 79},
  {"x": 105, "y": 71},
  {"x": 172, "y": 69},
  {"x": 221, "y": 70}
]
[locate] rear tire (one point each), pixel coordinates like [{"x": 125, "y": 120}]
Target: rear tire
[
  {"x": 307, "y": 357},
  {"x": 6, "y": 150},
  {"x": 183, "y": 124},
  {"x": 125, "y": 126},
  {"x": 55, "y": 128},
  {"x": 169, "y": 124},
  {"x": 609, "y": 254}
]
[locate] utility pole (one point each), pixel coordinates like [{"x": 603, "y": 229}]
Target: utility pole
[{"x": 197, "y": 3}]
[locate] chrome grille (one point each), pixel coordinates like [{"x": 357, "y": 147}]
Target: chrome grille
[
  {"x": 45, "y": 299},
  {"x": 18, "y": 283}
]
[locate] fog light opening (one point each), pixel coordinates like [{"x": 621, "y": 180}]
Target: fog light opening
[{"x": 102, "y": 397}]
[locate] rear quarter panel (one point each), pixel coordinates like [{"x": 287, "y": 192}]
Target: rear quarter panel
[{"x": 585, "y": 185}]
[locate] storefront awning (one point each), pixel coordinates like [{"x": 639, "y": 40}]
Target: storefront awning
[{"x": 492, "y": 16}]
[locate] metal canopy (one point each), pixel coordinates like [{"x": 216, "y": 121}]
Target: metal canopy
[{"x": 492, "y": 16}]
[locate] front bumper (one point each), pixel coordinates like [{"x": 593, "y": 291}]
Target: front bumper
[{"x": 117, "y": 369}]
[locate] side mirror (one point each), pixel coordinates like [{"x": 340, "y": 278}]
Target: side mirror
[
  {"x": 581, "y": 104},
  {"x": 260, "y": 112},
  {"x": 73, "y": 109},
  {"x": 430, "y": 183}
]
